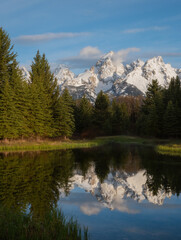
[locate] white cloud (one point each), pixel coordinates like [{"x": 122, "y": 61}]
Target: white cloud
[
  {"x": 138, "y": 30},
  {"x": 28, "y": 39},
  {"x": 85, "y": 59},
  {"x": 89, "y": 55},
  {"x": 123, "y": 55},
  {"x": 90, "y": 52}
]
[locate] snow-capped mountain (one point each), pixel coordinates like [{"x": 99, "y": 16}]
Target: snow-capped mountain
[
  {"x": 25, "y": 73},
  {"x": 114, "y": 78},
  {"x": 117, "y": 79},
  {"x": 117, "y": 186}
]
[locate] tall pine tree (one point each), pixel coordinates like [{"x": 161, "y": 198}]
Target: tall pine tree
[
  {"x": 102, "y": 114},
  {"x": 12, "y": 95},
  {"x": 44, "y": 95},
  {"x": 66, "y": 123},
  {"x": 83, "y": 115}
]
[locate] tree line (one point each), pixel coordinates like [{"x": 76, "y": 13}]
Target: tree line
[{"x": 35, "y": 108}]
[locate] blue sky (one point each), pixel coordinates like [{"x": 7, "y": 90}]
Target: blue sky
[{"x": 77, "y": 32}]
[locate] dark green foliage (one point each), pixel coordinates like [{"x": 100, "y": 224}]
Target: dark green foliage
[
  {"x": 149, "y": 119},
  {"x": 170, "y": 121},
  {"x": 120, "y": 118},
  {"x": 66, "y": 122},
  {"x": 83, "y": 115},
  {"x": 44, "y": 98},
  {"x": 161, "y": 111},
  {"x": 13, "y": 108},
  {"x": 18, "y": 226},
  {"x": 7, "y": 112},
  {"x": 102, "y": 114}
]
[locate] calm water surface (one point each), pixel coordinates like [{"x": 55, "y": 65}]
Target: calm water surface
[{"x": 118, "y": 191}]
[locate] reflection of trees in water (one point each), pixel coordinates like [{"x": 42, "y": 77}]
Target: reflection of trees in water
[
  {"x": 163, "y": 172},
  {"x": 35, "y": 178},
  {"x": 115, "y": 157}
]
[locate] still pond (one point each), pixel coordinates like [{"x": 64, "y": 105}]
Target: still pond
[{"x": 118, "y": 191}]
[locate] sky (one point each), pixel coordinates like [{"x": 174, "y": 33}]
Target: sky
[{"x": 78, "y": 32}]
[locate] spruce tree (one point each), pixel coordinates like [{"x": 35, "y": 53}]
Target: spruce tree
[
  {"x": 44, "y": 94},
  {"x": 7, "y": 113},
  {"x": 102, "y": 114},
  {"x": 83, "y": 115},
  {"x": 153, "y": 89},
  {"x": 151, "y": 115},
  {"x": 170, "y": 121},
  {"x": 66, "y": 123},
  {"x": 12, "y": 109},
  {"x": 120, "y": 118}
]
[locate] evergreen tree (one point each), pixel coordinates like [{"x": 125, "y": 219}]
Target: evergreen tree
[
  {"x": 66, "y": 124},
  {"x": 102, "y": 114},
  {"x": 150, "y": 120},
  {"x": 120, "y": 118},
  {"x": 152, "y": 128},
  {"x": 7, "y": 112},
  {"x": 170, "y": 121},
  {"x": 12, "y": 109},
  {"x": 44, "y": 97},
  {"x": 83, "y": 115},
  {"x": 152, "y": 91}
]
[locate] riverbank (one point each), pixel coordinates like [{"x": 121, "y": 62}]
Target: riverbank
[
  {"x": 169, "y": 149},
  {"x": 162, "y": 146},
  {"x": 42, "y": 145},
  {"x": 48, "y": 144}
]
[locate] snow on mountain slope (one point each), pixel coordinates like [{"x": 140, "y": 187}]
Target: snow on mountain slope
[
  {"x": 25, "y": 73},
  {"x": 114, "y": 78},
  {"x": 63, "y": 74},
  {"x": 117, "y": 79}
]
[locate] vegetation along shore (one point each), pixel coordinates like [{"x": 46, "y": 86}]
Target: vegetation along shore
[{"x": 163, "y": 146}]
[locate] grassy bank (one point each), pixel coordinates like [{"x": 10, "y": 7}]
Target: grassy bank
[
  {"x": 169, "y": 149},
  {"x": 42, "y": 145},
  {"x": 18, "y": 226},
  {"x": 49, "y": 145}
]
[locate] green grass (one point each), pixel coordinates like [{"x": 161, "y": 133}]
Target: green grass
[
  {"x": 49, "y": 145},
  {"x": 169, "y": 149},
  {"x": 68, "y": 144},
  {"x": 19, "y": 226},
  {"x": 71, "y": 144}
]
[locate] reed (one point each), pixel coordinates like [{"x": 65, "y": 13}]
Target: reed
[{"x": 19, "y": 226}]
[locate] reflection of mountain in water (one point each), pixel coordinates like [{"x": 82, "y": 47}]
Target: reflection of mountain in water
[
  {"x": 117, "y": 185},
  {"x": 111, "y": 173}
]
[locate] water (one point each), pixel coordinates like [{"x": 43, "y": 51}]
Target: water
[{"x": 118, "y": 191}]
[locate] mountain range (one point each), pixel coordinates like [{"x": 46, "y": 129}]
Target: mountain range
[{"x": 113, "y": 77}]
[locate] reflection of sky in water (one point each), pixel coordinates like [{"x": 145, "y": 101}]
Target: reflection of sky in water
[
  {"x": 128, "y": 220},
  {"x": 119, "y": 192}
]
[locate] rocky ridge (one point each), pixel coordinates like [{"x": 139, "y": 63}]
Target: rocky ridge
[{"x": 114, "y": 78}]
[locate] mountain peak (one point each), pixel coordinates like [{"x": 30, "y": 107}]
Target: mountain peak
[
  {"x": 156, "y": 60},
  {"x": 114, "y": 79},
  {"x": 108, "y": 55}
]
